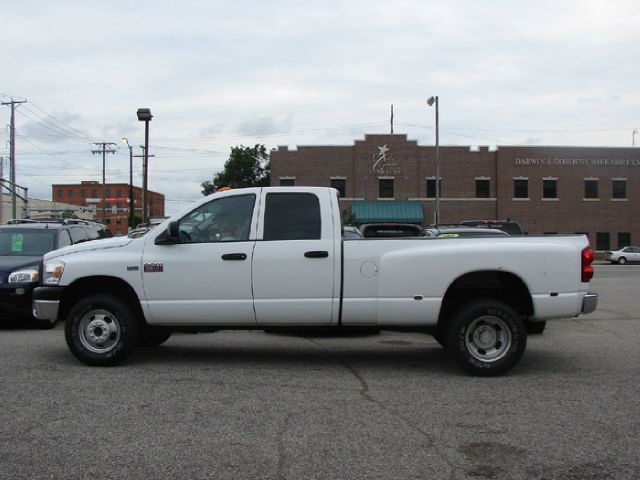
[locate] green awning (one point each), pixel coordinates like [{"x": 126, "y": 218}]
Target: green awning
[{"x": 378, "y": 212}]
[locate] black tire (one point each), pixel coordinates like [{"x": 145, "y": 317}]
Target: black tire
[
  {"x": 153, "y": 337},
  {"x": 622, "y": 261},
  {"x": 486, "y": 337},
  {"x": 535, "y": 328},
  {"x": 101, "y": 330}
]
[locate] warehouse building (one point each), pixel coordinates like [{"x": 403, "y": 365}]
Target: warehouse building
[
  {"x": 548, "y": 190},
  {"x": 112, "y": 203}
]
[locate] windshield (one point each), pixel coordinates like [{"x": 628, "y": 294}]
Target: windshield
[{"x": 26, "y": 243}]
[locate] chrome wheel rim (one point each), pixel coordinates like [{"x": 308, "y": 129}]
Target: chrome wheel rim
[
  {"x": 488, "y": 338},
  {"x": 99, "y": 331}
]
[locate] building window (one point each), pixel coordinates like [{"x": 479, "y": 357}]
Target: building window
[
  {"x": 624, "y": 239},
  {"x": 70, "y": 193},
  {"x": 119, "y": 192},
  {"x": 619, "y": 189},
  {"x": 431, "y": 187},
  {"x": 550, "y": 188},
  {"x": 520, "y": 188},
  {"x": 287, "y": 182},
  {"x": 591, "y": 189},
  {"x": 483, "y": 187},
  {"x": 59, "y": 193},
  {"x": 94, "y": 193},
  {"x": 385, "y": 188},
  {"x": 340, "y": 184},
  {"x": 602, "y": 240},
  {"x": 107, "y": 192},
  {"x": 83, "y": 194}
]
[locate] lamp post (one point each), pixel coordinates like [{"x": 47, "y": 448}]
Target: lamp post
[
  {"x": 633, "y": 137},
  {"x": 431, "y": 101},
  {"x": 131, "y": 208},
  {"x": 144, "y": 115}
]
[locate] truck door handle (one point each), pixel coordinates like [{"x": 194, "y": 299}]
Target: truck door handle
[
  {"x": 234, "y": 256},
  {"x": 316, "y": 254}
]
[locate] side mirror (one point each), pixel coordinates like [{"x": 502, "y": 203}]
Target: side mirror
[{"x": 170, "y": 235}]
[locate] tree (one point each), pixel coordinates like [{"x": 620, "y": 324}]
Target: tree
[{"x": 246, "y": 167}]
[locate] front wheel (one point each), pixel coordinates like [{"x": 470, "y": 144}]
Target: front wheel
[
  {"x": 486, "y": 337},
  {"x": 101, "y": 330}
]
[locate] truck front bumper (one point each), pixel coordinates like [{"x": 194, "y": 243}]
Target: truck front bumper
[
  {"x": 590, "y": 302},
  {"x": 46, "y": 303}
]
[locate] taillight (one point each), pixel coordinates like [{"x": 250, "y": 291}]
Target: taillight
[{"x": 587, "y": 260}]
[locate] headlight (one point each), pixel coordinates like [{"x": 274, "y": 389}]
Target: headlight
[
  {"x": 26, "y": 275},
  {"x": 53, "y": 272}
]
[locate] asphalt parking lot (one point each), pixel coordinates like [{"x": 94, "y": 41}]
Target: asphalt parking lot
[{"x": 237, "y": 404}]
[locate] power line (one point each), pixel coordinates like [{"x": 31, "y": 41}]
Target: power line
[{"x": 80, "y": 132}]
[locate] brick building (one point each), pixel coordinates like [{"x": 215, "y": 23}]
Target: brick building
[
  {"x": 592, "y": 190},
  {"x": 116, "y": 195}
]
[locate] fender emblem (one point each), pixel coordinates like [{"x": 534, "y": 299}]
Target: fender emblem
[{"x": 153, "y": 267}]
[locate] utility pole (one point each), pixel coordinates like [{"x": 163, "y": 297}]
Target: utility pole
[
  {"x": 104, "y": 152},
  {"x": 12, "y": 151},
  {"x": 145, "y": 191}
]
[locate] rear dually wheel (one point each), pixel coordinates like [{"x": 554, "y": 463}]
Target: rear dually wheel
[{"x": 486, "y": 337}]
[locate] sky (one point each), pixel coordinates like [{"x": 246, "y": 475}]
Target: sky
[{"x": 220, "y": 74}]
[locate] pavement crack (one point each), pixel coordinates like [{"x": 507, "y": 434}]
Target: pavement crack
[{"x": 364, "y": 393}]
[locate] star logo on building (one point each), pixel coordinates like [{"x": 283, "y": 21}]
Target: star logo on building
[{"x": 380, "y": 159}]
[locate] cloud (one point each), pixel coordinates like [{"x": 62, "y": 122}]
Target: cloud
[{"x": 265, "y": 126}]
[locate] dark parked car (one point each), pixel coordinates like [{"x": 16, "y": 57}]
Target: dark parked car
[
  {"x": 22, "y": 245},
  {"x": 509, "y": 226},
  {"x": 386, "y": 230}
]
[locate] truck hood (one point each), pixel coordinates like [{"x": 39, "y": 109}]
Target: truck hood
[{"x": 102, "y": 244}]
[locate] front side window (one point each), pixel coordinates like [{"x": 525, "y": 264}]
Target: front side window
[
  {"x": 225, "y": 219},
  {"x": 292, "y": 216},
  {"x": 549, "y": 189}
]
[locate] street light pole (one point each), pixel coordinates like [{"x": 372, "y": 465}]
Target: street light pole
[
  {"x": 430, "y": 102},
  {"x": 144, "y": 115},
  {"x": 126, "y": 140},
  {"x": 633, "y": 138}
]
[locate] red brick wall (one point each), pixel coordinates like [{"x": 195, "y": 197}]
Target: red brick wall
[{"x": 409, "y": 164}]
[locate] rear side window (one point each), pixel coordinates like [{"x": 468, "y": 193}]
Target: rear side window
[
  {"x": 78, "y": 234},
  {"x": 92, "y": 233},
  {"x": 64, "y": 240},
  {"x": 292, "y": 216}
]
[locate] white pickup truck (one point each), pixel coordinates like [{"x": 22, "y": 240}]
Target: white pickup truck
[{"x": 262, "y": 258}]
